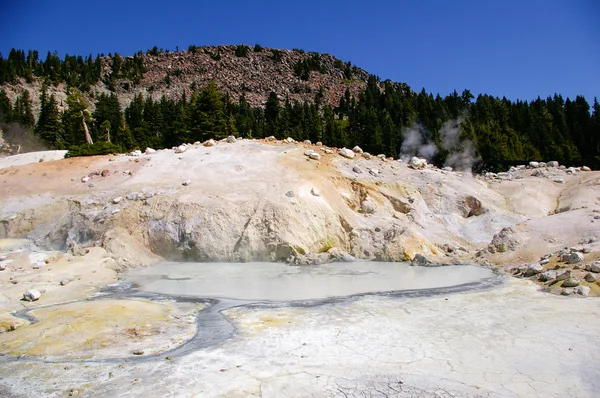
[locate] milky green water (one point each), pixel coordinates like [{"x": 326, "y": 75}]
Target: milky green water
[{"x": 282, "y": 282}]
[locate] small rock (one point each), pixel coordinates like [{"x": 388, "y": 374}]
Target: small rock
[
  {"x": 357, "y": 170},
  {"x": 65, "y": 282},
  {"x": 314, "y": 156},
  {"x": 368, "y": 207},
  {"x": 347, "y": 153},
  {"x": 566, "y": 292},
  {"x": 32, "y": 295},
  {"x": 186, "y": 182},
  {"x": 417, "y": 164},
  {"x": 357, "y": 149},
  {"x": 582, "y": 291},
  {"x": 290, "y": 194},
  {"x": 307, "y": 142},
  {"x": 136, "y": 153},
  {"x": 547, "y": 276},
  {"x": 319, "y": 143},
  {"x": 366, "y": 155},
  {"x": 595, "y": 267},
  {"x": 328, "y": 151},
  {"x": 447, "y": 168},
  {"x": 559, "y": 180},
  {"x": 138, "y": 352},
  {"x": 561, "y": 276},
  {"x": 420, "y": 261},
  {"x": 117, "y": 200},
  {"x": 115, "y": 211},
  {"x": 290, "y": 140},
  {"x": 374, "y": 172},
  {"x": 181, "y": 148},
  {"x": 585, "y": 168},
  {"x": 148, "y": 195},
  {"x": 534, "y": 269},
  {"x": 231, "y": 139},
  {"x": 150, "y": 151},
  {"x": 105, "y": 172},
  {"x": 534, "y": 165},
  {"x": 315, "y": 192},
  {"x": 132, "y": 196},
  {"x": 85, "y": 179},
  {"x": 591, "y": 278},
  {"x": 544, "y": 261},
  {"x": 552, "y": 163},
  {"x": 381, "y": 156},
  {"x": 575, "y": 258},
  {"x": 270, "y": 138},
  {"x": 571, "y": 282},
  {"x": 4, "y": 264},
  {"x": 210, "y": 142}
]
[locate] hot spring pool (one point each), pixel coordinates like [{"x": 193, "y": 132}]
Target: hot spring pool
[{"x": 263, "y": 281}]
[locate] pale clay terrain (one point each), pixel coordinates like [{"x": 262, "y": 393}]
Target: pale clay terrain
[{"x": 65, "y": 231}]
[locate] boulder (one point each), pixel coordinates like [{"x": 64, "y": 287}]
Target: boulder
[
  {"x": 132, "y": 196},
  {"x": 368, "y": 207},
  {"x": 381, "y": 156},
  {"x": 309, "y": 152},
  {"x": 357, "y": 170},
  {"x": 150, "y": 151},
  {"x": 366, "y": 155},
  {"x": 534, "y": 269},
  {"x": 417, "y": 164},
  {"x": 210, "y": 142},
  {"x": 117, "y": 199},
  {"x": 319, "y": 143},
  {"x": 420, "y": 260},
  {"x": 585, "y": 168},
  {"x": 270, "y": 138},
  {"x": 357, "y": 149},
  {"x": 148, "y": 195},
  {"x": 582, "y": 291},
  {"x": 552, "y": 163},
  {"x": 561, "y": 276},
  {"x": 32, "y": 295},
  {"x": 571, "y": 282},
  {"x": 231, "y": 139},
  {"x": 567, "y": 292},
  {"x": 547, "y": 276},
  {"x": 338, "y": 255},
  {"x": 314, "y": 156},
  {"x": 347, "y": 153},
  {"x": 289, "y": 139},
  {"x": 591, "y": 278},
  {"x": 307, "y": 142},
  {"x": 181, "y": 148},
  {"x": 575, "y": 258},
  {"x": 595, "y": 267},
  {"x": 534, "y": 165}
]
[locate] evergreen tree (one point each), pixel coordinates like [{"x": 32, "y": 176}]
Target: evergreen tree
[{"x": 207, "y": 114}]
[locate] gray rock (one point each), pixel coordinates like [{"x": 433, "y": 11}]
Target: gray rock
[
  {"x": 591, "y": 278},
  {"x": 315, "y": 192},
  {"x": 575, "y": 258},
  {"x": 210, "y": 142},
  {"x": 328, "y": 151},
  {"x": 65, "y": 282},
  {"x": 136, "y": 153},
  {"x": 357, "y": 149},
  {"x": 4, "y": 264},
  {"x": 381, "y": 156},
  {"x": 447, "y": 168},
  {"x": 534, "y": 165},
  {"x": 571, "y": 282},
  {"x": 132, "y": 196},
  {"x": 150, "y": 151},
  {"x": 595, "y": 267},
  {"x": 544, "y": 261},
  {"x": 148, "y": 195},
  {"x": 32, "y": 295},
  {"x": 374, "y": 172},
  {"x": 319, "y": 143},
  {"x": 347, "y": 153},
  {"x": 181, "y": 148},
  {"x": 187, "y": 182},
  {"x": 290, "y": 194},
  {"x": 368, "y": 207},
  {"x": 85, "y": 179},
  {"x": 552, "y": 163},
  {"x": 561, "y": 276},
  {"x": 567, "y": 292},
  {"x": 417, "y": 164},
  {"x": 357, "y": 170},
  {"x": 290, "y": 139},
  {"x": 366, "y": 155},
  {"x": 231, "y": 139},
  {"x": 314, "y": 156},
  {"x": 117, "y": 199},
  {"x": 534, "y": 269},
  {"x": 582, "y": 291},
  {"x": 559, "y": 180},
  {"x": 547, "y": 276},
  {"x": 270, "y": 138},
  {"x": 421, "y": 261},
  {"x": 307, "y": 142},
  {"x": 585, "y": 168}
]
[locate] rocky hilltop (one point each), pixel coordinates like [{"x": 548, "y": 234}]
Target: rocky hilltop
[{"x": 236, "y": 70}]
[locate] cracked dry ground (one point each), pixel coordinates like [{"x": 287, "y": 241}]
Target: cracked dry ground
[{"x": 507, "y": 341}]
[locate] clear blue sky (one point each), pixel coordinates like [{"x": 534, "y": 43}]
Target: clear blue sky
[{"x": 513, "y": 48}]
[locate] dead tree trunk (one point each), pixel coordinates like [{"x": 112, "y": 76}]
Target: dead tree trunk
[{"x": 88, "y": 137}]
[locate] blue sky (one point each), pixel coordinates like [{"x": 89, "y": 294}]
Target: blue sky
[{"x": 518, "y": 49}]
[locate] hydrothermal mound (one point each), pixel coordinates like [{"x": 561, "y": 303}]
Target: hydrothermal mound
[{"x": 70, "y": 227}]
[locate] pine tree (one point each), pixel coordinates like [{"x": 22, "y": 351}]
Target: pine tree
[
  {"x": 49, "y": 127},
  {"x": 78, "y": 117},
  {"x": 207, "y": 116}
]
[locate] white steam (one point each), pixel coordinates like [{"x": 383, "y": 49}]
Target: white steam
[{"x": 461, "y": 152}]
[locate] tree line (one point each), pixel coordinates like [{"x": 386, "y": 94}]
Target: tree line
[{"x": 377, "y": 120}]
